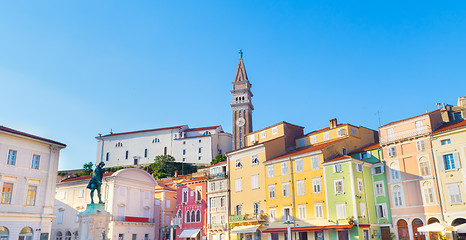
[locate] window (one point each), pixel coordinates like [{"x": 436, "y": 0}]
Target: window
[
  {"x": 366, "y": 235},
  {"x": 318, "y": 210},
  {"x": 446, "y": 141},
  {"x": 145, "y": 152},
  {"x": 424, "y": 168},
  {"x": 271, "y": 171},
  {"x": 457, "y": 116},
  {"x": 200, "y": 150},
  {"x": 360, "y": 186},
  {"x": 337, "y": 168},
  {"x": 341, "y": 211},
  {"x": 107, "y": 156},
  {"x": 212, "y": 186},
  {"x": 286, "y": 212},
  {"x": 198, "y": 193},
  {"x": 300, "y": 188},
  {"x": 121, "y": 236},
  {"x": 200, "y": 140},
  {"x": 454, "y": 193},
  {"x": 366, "y": 155},
  {"x": 359, "y": 167},
  {"x": 165, "y": 150},
  {"x": 428, "y": 191},
  {"x": 397, "y": 196},
  {"x": 392, "y": 151},
  {"x": 302, "y": 142},
  {"x": 315, "y": 162},
  {"x": 354, "y": 132},
  {"x": 313, "y": 139},
  {"x": 272, "y": 191},
  {"x": 316, "y": 185},
  {"x": 419, "y": 128},
  {"x": 207, "y": 133},
  {"x": 126, "y": 155},
  {"x": 238, "y": 163},
  {"x": 31, "y": 196},
  {"x": 12, "y": 157},
  {"x": 302, "y": 211},
  {"x": 254, "y": 160},
  {"x": 362, "y": 207},
  {"x": 273, "y": 214},
  {"x": 286, "y": 189},
  {"x": 421, "y": 145},
  {"x": 377, "y": 170},
  {"x": 263, "y": 134},
  {"x": 81, "y": 193},
  {"x": 238, "y": 185},
  {"x": 341, "y": 132},
  {"x": 60, "y": 216},
  {"x": 188, "y": 216},
  {"x": 35, "y": 161},
  {"x": 68, "y": 235},
  {"x": 134, "y": 236},
  {"x": 146, "y": 236},
  {"x": 381, "y": 210},
  {"x": 168, "y": 203},
  {"x": 394, "y": 171},
  {"x": 199, "y": 158},
  {"x": 146, "y": 213},
  {"x": 343, "y": 151},
  {"x": 185, "y": 195},
  {"x": 184, "y": 151},
  {"x": 450, "y": 161},
  {"x": 198, "y": 215},
  {"x": 299, "y": 165},
  {"x": 255, "y": 181},
  {"x": 284, "y": 166},
  {"x": 238, "y": 209},
  {"x": 338, "y": 186},
  {"x": 326, "y": 136},
  {"x": 256, "y": 207},
  {"x": 222, "y": 202},
  {"x": 122, "y": 191},
  {"x": 7, "y": 191},
  {"x": 390, "y": 134},
  {"x": 213, "y": 202},
  {"x": 252, "y": 138},
  {"x": 275, "y": 131},
  {"x": 379, "y": 188}
]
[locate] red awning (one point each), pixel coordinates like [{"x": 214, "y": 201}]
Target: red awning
[
  {"x": 310, "y": 229},
  {"x": 275, "y": 230},
  {"x": 338, "y": 227},
  {"x": 365, "y": 225},
  {"x": 307, "y": 229}
]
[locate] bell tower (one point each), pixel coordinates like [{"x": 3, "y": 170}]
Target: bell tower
[{"x": 241, "y": 105}]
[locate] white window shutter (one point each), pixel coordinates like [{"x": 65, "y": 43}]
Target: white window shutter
[
  {"x": 456, "y": 158},
  {"x": 369, "y": 154},
  {"x": 373, "y": 170},
  {"x": 441, "y": 163},
  {"x": 382, "y": 169}
]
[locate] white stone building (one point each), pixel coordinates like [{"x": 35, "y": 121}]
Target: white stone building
[
  {"x": 129, "y": 198},
  {"x": 28, "y": 172},
  {"x": 195, "y": 146},
  {"x": 217, "y": 202}
]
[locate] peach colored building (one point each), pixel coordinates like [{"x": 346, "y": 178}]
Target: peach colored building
[{"x": 165, "y": 209}]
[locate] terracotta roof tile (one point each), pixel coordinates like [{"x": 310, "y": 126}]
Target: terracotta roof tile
[
  {"x": 450, "y": 126},
  {"x": 336, "y": 158},
  {"x": 141, "y": 131},
  {"x": 325, "y": 129},
  {"x": 364, "y": 148},
  {"x": 408, "y": 118},
  {"x": 10, "y": 130},
  {"x": 282, "y": 122},
  {"x": 202, "y": 128}
]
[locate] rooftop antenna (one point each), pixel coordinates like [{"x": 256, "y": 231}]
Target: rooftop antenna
[
  {"x": 438, "y": 105},
  {"x": 378, "y": 116}
]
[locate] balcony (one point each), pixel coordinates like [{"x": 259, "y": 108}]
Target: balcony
[
  {"x": 132, "y": 219},
  {"x": 218, "y": 226},
  {"x": 402, "y": 135},
  {"x": 247, "y": 217},
  {"x": 217, "y": 209},
  {"x": 217, "y": 175}
]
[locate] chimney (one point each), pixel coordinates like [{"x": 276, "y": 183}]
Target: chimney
[
  {"x": 462, "y": 101},
  {"x": 176, "y": 173},
  {"x": 333, "y": 123}
]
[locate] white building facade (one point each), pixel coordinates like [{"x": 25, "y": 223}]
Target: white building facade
[
  {"x": 129, "y": 198},
  {"x": 217, "y": 202},
  {"x": 28, "y": 172},
  {"x": 195, "y": 146}
]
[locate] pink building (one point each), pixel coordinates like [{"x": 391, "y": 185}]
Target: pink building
[
  {"x": 191, "y": 208},
  {"x": 165, "y": 208}
]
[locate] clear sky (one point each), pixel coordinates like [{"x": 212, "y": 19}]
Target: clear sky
[{"x": 70, "y": 70}]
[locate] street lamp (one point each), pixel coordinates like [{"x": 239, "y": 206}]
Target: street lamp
[{"x": 288, "y": 221}]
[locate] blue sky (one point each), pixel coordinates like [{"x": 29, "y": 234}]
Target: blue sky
[{"x": 70, "y": 70}]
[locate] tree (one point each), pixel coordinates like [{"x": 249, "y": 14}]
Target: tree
[
  {"x": 87, "y": 168},
  {"x": 219, "y": 158},
  {"x": 165, "y": 166}
]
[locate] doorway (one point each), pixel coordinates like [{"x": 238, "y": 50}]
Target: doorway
[{"x": 403, "y": 233}]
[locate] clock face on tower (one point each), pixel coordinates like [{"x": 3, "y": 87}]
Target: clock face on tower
[{"x": 240, "y": 122}]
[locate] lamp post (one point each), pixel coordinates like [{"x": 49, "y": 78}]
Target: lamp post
[{"x": 288, "y": 221}]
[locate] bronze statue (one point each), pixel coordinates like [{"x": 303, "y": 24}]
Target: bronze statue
[{"x": 96, "y": 181}]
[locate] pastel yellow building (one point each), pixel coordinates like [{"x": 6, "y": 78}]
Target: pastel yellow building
[
  {"x": 295, "y": 181},
  {"x": 449, "y": 149},
  {"x": 247, "y": 177}
]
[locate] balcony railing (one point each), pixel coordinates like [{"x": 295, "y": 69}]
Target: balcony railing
[
  {"x": 218, "y": 226},
  {"x": 247, "y": 217},
  {"x": 411, "y": 133},
  {"x": 132, "y": 219},
  {"x": 217, "y": 175},
  {"x": 217, "y": 209}
]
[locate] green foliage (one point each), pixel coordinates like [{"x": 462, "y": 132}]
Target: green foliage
[
  {"x": 219, "y": 158},
  {"x": 87, "y": 168},
  {"x": 165, "y": 166}
]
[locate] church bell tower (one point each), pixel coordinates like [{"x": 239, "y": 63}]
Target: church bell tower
[{"x": 241, "y": 105}]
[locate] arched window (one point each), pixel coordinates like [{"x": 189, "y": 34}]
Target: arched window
[
  {"x": 207, "y": 133},
  {"x": 25, "y": 234},
  {"x": 59, "y": 236},
  {"x": 193, "y": 216},
  {"x": 4, "y": 233},
  {"x": 68, "y": 235},
  {"x": 188, "y": 216},
  {"x": 397, "y": 196},
  {"x": 198, "y": 216},
  {"x": 76, "y": 235},
  {"x": 428, "y": 191},
  {"x": 416, "y": 224},
  {"x": 179, "y": 215},
  {"x": 424, "y": 168}
]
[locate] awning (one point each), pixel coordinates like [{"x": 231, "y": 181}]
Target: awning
[
  {"x": 307, "y": 229},
  {"x": 435, "y": 227},
  {"x": 190, "y": 233},
  {"x": 337, "y": 227},
  {"x": 275, "y": 230},
  {"x": 245, "y": 229},
  {"x": 310, "y": 229},
  {"x": 461, "y": 228}
]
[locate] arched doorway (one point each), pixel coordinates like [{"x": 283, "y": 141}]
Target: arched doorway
[
  {"x": 458, "y": 221},
  {"x": 68, "y": 235},
  {"x": 418, "y": 235},
  {"x": 4, "y": 233},
  {"x": 403, "y": 233},
  {"x": 433, "y": 235},
  {"x": 25, "y": 234},
  {"x": 59, "y": 236}
]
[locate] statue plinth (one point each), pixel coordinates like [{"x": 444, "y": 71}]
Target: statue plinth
[{"x": 93, "y": 222}]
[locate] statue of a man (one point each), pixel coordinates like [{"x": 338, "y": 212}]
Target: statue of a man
[{"x": 96, "y": 181}]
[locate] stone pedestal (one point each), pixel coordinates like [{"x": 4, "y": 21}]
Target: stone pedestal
[{"x": 93, "y": 222}]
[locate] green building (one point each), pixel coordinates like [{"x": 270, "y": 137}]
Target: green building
[{"x": 357, "y": 196}]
